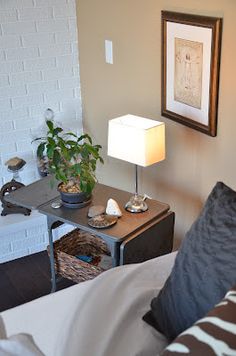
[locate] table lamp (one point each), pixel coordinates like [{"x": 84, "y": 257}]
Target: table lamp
[{"x": 140, "y": 141}]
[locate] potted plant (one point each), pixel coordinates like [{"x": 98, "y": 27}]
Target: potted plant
[{"x": 72, "y": 161}]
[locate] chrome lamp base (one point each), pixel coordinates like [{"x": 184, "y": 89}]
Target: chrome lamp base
[{"x": 136, "y": 204}]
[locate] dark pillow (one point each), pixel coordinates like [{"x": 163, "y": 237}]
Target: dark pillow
[
  {"x": 204, "y": 269},
  {"x": 215, "y": 334}
]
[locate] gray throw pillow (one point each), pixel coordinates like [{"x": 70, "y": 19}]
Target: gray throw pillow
[{"x": 204, "y": 269}]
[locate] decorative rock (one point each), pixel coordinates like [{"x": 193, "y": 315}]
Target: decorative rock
[
  {"x": 15, "y": 163},
  {"x": 96, "y": 210},
  {"x": 113, "y": 208}
]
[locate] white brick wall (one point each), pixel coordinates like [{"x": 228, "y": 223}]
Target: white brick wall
[
  {"x": 23, "y": 235},
  {"x": 39, "y": 69}
]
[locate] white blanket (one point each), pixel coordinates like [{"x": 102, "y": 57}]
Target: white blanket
[{"x": 102, "y": 317}]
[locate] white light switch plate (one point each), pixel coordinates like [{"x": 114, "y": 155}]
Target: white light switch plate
[{"x": 109, "y": 51}]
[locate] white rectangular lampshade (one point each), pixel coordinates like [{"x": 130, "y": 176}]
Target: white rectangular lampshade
[{"x": 136, "y": 139}]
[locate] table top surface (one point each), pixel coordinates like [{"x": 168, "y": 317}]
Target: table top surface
[
  {"x": 33, "y": 195},
  {"x": 39, "y": 195}
]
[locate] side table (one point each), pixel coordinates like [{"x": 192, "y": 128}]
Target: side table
[{"x": 134, "y": 238}]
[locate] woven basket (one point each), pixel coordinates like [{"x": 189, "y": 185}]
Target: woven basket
[{"x": 78, "y": 242}]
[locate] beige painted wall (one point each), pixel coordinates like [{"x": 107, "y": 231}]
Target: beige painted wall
[{"x": 132, "y": 84}]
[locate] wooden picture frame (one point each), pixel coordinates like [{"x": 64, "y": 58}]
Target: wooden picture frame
[{"x": 191, "y": 47}]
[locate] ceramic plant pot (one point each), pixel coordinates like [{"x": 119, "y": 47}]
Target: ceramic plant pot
[{"x": 74, "y": 200}]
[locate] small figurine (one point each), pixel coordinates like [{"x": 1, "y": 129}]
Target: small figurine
[{"x": 14, "y": 165}]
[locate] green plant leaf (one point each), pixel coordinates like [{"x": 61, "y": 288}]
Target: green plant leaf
[
  {"x": 98, "y": 147},
  {"x": 71, "y": 134},
  {"x": 40, "y": 149},
  {"x": 92, "y": 150},
  {"x": 84, "y": 137},
  {"x": 49, "y": 125},
  {"x": 77, "y": 168},
  {"x": 61, "y": 177},
  {"x": 56, "y": 157},
  {"x": 65, "y": 152},
  {"x": 71, "y": 143},
  {"x": 50, "y": 151},
  {"x": 51, "y": 141},
  {"x": 39, "y": 139},
  {"x": 57, "y": 130},
  {"x": 70, "y": 157}
]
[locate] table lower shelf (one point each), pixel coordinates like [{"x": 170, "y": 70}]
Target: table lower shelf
[{"x": 80, "y": 243}]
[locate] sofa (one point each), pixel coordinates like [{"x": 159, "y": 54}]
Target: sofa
[{"x": 182, "y": 303}]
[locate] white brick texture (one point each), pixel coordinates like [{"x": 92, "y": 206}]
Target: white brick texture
[
  {"x": 29, "y": 40},
  {"x": 4, "y": 80},
  {"x": 39, "y": 69},
  {"x": 35, "y": 13},
  {"x": 10, "y": 42},
  {"x": 11, "y": 67},
  {"x": 23, "y": 235},
  {"x": 21, "y": 53},
  {"x": 8, "y": 15},
  {"x": 13, "y": 28}
]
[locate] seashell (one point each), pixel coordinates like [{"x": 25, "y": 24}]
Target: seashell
[
  {"x": 102, "y": 221},
  {"x": 113, "y": 208}
]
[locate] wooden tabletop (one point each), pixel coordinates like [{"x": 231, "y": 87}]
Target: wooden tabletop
[
  {"x": 33, "y": 195},
  {"x": 40, "y": 195}
]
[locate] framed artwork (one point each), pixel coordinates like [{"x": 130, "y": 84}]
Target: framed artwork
[{"x": 190, "y": 69}]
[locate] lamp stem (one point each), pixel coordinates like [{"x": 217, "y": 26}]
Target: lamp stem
[
  {"x": 136, "y": 204},
  {"x": 136, "y": 179}
]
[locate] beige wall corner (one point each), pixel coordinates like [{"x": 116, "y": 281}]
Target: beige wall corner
[{"x": 133, "y": 85}]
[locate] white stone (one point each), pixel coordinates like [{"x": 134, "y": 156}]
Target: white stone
[{"x": 113, "y": 208}]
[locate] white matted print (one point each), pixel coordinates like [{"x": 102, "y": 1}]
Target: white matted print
[
  {"x": 194, "y": 35},
  {"x": 188, "y": 72},
  {"x": 190, "y": 69}
]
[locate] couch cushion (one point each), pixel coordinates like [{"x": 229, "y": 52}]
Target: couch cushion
[
  {"x": 204, "y": 268},
  {"x": 214, "y": 334}
]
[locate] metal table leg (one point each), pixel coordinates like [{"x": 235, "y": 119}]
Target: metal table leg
[
  {"x": 115, "y": 253},
  {"x": 50, "y": 223}
]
